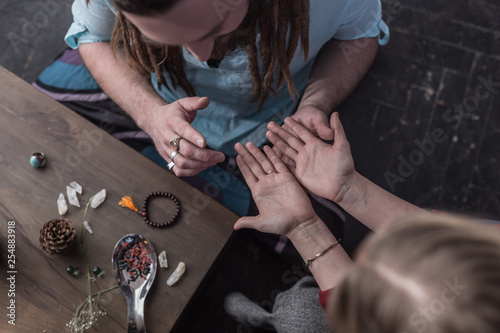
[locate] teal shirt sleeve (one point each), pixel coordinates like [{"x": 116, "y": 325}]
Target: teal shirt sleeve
[
  {"x": 363, "y": 18},
  {"x": 91, "y": 23}
]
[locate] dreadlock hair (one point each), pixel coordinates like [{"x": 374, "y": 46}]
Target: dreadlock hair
[{"x": 274, "y": 19}]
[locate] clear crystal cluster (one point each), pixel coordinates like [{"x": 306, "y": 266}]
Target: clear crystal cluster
[
  {"x": 72, "y": 191},
  {"x": 62, "y": 206},
  {"x": 98, "y": 198}
]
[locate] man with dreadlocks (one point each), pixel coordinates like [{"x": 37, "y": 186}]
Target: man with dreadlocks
[{"x": 240, "y": 63}]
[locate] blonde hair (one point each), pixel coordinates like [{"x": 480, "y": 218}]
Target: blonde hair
[{"x": 431, "y": 274}]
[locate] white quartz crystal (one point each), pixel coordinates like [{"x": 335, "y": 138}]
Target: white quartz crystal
[
  {"x": 162, "y": 258},
  {"x": 98, "y": 198},
  {"x": 72, "y": 197},
  {"x": 78, "y": 188},
  {"x": 62, "y": 207},
  {"x": 176, "y": 275},
  {"x": 87, "y": 226}
]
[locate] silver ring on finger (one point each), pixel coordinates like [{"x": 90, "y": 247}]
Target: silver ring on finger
[
  {"x": 174, "y": 153},
  {"x": 170, "y": 166}
]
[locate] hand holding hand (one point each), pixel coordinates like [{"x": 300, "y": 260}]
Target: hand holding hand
[
  {"x": 174, "y": 121},
  {"x": 315, "y": 120},
  {"x": 283, "y": 205},
  {"x": 326, "y": 170}
]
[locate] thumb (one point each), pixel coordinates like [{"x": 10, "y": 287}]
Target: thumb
[
  {"x": 191, "y": 104},
  {"x": 247, "y": 222},
  {"x": 325, "y": 132},
  {"x": 337, "y": 127}
]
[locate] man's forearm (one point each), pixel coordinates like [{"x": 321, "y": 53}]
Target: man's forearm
[
  {"x": 130, "y": 89},
  {"x": 338, "y": 69}
]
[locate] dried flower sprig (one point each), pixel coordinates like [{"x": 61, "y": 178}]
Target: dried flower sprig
[{"x": 88, "y": 311}]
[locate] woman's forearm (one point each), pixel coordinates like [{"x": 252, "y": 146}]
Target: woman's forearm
[
  {"x": 313, "y": 237},
  {"x": 372, "y": 205}
]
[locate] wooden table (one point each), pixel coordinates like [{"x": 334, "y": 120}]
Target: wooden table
[{"x": 45, "y": 295}]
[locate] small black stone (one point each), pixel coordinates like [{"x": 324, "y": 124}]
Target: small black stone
[
  {"x": 72, "y": 270},
  {"x": 97, "y": 271}
]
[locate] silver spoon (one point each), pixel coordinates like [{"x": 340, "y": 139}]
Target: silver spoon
[{"x": 135, "y": 275}]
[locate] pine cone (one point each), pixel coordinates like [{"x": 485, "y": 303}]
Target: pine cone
[{"x": 57, "y": 236}]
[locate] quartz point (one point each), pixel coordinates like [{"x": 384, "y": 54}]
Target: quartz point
[
  {"x": 62, "y": 207},
  {"x": 78, "y": 188},
  {"x": 98, "y": 198},
  {"x": 87, "y": 226},
  {"x": 72, "y": 197},
  {"x": 162, "y": 258},
  {"x": 176, "y": 275}
]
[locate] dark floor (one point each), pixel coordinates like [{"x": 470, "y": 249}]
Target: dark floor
[
  {"x": 439, "y": 77},
  {"x": 433, "y": 78}
]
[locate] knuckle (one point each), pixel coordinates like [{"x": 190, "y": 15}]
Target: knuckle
[
  {"x": 183, "y": 172},
  {"x": 169, "y": 122},
  {"x": 182, "y": 163},
  {"x": 185, "y": 130},
  {"x": 204, "y": 156},
  {"x": 187, "y": 150}
]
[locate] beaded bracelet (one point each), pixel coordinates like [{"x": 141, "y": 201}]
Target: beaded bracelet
[
  {"x": 319, "y": 254},
  {"x": 127, "y": 202}
]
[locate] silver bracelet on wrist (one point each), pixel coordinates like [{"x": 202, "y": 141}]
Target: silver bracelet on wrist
[{"x": 319, "y": 254}]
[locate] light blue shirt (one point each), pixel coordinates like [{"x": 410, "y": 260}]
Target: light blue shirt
[{"x": 230, "y": 116}]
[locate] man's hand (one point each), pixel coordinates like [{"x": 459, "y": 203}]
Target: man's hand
[
  {"x": 173, "y": 121},
  {"x": 163, "y": 122},
  {"x": 315, "y": 120}
]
